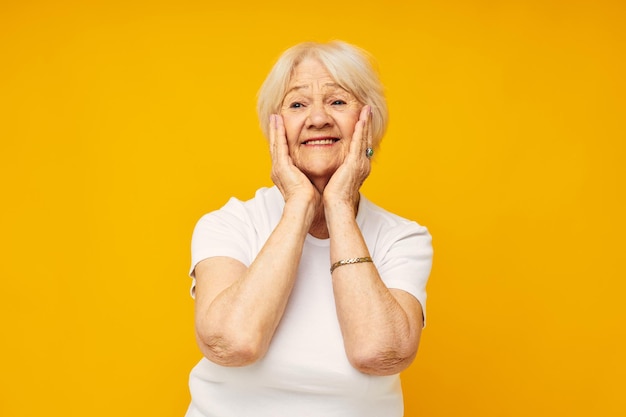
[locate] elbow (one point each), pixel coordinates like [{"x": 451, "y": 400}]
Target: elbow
[
  {"x": 382, "y": 362},
  {"x": 230, "y": 351}
]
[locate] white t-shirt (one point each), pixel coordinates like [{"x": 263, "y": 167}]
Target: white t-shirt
[{"x": 305, "y": 371}]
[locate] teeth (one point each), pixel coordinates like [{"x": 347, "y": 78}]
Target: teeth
[{"x": 320, "y": 142}]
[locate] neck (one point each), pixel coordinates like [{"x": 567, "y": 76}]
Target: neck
[{"x": 319, "y": 228}]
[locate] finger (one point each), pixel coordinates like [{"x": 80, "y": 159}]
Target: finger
[
  {"x": 368, "y": 128},
  {"x": 366, "y": 142},
  {"x": 360, "y": 140},
  {"x": 272, "y": 135},
  {"x": 282, "y": 149},
  {"x": 277, "y": 136},
  {"x": 356, "y": 146}
]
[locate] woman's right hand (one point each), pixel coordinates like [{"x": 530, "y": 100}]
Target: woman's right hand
[
  {"x": 238, "y": 307},
  {"x": 291, "y": 182}
]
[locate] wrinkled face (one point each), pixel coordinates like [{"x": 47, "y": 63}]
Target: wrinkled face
[{"x": 319, "y": 118}]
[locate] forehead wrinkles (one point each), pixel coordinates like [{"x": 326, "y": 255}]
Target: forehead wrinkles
[{"x": 316, "y": 86}]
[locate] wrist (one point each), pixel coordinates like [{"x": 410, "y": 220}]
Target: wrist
[
  {"x": 300, "y": 208},
  {"x": 341, "y": 206}
]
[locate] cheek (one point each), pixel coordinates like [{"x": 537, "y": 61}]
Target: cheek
[
  {"x": 292, "y": 126},
  {"x": 349, "y": 124}
]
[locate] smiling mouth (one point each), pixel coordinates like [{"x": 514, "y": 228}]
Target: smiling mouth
[{"x": 326, "y": 141}]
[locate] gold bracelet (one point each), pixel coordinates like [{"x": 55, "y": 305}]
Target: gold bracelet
[{"x": 349, "y": 261}]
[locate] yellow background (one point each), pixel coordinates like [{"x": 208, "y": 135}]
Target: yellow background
[{"x": 121, "y": 123}]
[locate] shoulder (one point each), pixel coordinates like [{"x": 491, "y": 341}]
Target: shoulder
[
  {"x": 266, "y": 204},
  {"x": 237, "y": 219},
  {"x": 401, "y": 249},
  {"x": 375, "y": 219},
  {"x": 389, "y": 236},
  {"x": 238, "y": 229}
]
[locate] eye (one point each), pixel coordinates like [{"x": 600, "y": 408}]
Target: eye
[
  {"x": 338, "y": 102},
  {"x": 295, "y": 105}
]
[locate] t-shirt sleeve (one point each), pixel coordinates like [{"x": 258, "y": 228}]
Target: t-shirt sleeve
[
  {"x": 407, "y": 260},
  {"x": 224, "y": 232}
]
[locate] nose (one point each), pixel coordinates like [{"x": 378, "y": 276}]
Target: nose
[{"x": 318, "y": 116}]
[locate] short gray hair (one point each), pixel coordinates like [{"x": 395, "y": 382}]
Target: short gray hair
[{"x": 351, "y": 67}]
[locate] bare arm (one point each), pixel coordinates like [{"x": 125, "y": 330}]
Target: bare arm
[
  {"x": 381, "y": 327},
  {"x": 239, "y": 308}
]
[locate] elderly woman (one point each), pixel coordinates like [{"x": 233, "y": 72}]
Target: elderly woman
[{"x": 310, "y": 298}]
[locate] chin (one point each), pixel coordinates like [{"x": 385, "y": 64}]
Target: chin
[
  {"x": 320, "y": 166},
  {"x": 317, "y": 172}
]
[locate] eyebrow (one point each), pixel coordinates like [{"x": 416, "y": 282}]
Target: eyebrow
[{"x": 302, "y": 87}]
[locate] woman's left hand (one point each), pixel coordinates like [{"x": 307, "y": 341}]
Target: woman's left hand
[{"x": 345, "y": 183}]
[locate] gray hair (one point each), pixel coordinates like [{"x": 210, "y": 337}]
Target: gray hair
[{"x": 351, "y": 67}]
